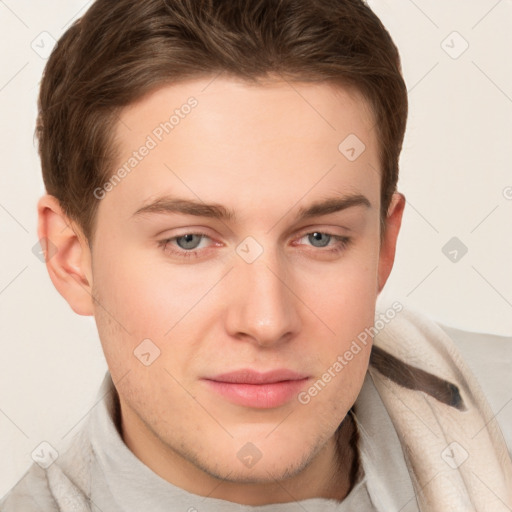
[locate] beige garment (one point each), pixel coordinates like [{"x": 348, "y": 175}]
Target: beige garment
[{"x": 456, "y": 454}]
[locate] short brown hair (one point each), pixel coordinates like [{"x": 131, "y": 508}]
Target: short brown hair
[{"x": 122, "y": 49}]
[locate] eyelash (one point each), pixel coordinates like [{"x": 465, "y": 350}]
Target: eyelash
[
  {"x": 342, "y": 243},
  {"x": 164, "y": 244}
]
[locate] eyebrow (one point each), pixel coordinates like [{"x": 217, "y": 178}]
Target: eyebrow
[
  {"x": 168, "y": 204},
  {"x": 333, "y": 205}
]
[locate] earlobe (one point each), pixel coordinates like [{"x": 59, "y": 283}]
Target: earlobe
[
  {"x": 389, "y": 240},
  {"x": 67, "y": 255}
]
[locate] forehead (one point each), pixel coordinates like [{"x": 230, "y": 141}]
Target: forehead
[{"x": 229, "y": 141}]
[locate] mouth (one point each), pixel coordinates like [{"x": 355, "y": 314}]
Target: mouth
[{"x": 257, "y": 390}]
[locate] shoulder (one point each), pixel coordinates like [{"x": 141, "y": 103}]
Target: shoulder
[
  {"x": 489, "y": 357},
  {"x": 30, "y": 494},
  {"x": 58, "y": 486}
]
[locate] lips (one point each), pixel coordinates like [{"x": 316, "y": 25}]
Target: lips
[
  {"x": 248, "y": 376},
  {"x": 258, "y": 390}
]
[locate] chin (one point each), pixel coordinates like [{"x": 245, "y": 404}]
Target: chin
[
  {"x": 263, "y": 460},
  {"x": 262, "y": 472}
]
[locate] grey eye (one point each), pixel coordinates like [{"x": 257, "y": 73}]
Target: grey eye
[
  {"x": 190, "y": 241},
  {"x": 319, "y": 239}
]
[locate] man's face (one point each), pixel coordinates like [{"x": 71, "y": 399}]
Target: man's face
[{"x": 271, "y": 284}]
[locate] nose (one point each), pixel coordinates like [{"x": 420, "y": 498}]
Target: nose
[{"x": 263, "y": 307}]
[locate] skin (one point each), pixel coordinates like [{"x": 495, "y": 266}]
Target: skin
[{"x": 264, "y": 152}]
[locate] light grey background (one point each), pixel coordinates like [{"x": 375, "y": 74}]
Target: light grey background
[{"x": 455, "y": 172}]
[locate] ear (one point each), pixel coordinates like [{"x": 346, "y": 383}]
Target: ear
[
  {"x": 388, "y": 244},
  {"x": 67, "y": 255}
]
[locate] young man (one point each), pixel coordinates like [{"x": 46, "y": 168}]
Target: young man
[{"x": 221, "y": 182}]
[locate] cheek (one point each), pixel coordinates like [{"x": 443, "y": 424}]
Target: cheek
[
  {"x": 343, "y": 299},
  {"x": 343, "y": 295},
  {"x": 140, "y": 290},
  {"x": 142, "y": 299},
  {"x": 334, "y": 391},
  {"x": 130, "y": 305}
]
